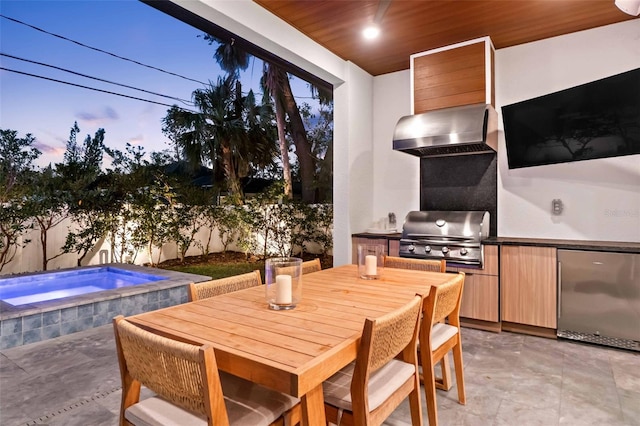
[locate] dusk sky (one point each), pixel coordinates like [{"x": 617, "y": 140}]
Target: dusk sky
[{"x": 127, "y": 28}]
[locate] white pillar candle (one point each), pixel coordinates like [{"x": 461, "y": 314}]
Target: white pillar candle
[
  {"x": 370, "y": 264},
  {"x": 283, "y": 289}
]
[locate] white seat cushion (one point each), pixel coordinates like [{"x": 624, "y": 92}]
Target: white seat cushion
[
  {"x": 247, "y": 404},
  {"x": 382, "y": 383},
  {"x": 158, "y": 411},
  {"x": 440, "y": 333}
]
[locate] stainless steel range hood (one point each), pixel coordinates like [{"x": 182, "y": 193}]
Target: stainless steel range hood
[{"x": 469, "y": 129}]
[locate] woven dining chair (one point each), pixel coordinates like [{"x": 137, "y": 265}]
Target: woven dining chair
[
  {"x": 189, "y": 389},
  {"x": 311, "y": 266},
  {"x": 220, "y": 286},
  {"x": 437, "y": 338},
  {"x": 369, "y": 389},
  {"x": 424, "y": 265},
  {"x": 415, "y": 264}
]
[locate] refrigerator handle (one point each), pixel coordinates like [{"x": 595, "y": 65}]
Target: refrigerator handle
[{"x": 559, "y": 298}]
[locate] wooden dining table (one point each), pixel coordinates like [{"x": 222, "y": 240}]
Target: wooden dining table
[{"x": 292, "y": 351}]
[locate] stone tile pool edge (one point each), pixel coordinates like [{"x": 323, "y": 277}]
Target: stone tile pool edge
[{"x": 21, "y": 325}]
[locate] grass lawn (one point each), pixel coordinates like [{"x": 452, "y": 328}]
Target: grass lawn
[
  {"x": 220, "y": 265},
  {"x": 219, "y": 270}
]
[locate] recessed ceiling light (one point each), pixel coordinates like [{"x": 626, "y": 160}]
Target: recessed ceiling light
[{"x": 371, "y": 32}]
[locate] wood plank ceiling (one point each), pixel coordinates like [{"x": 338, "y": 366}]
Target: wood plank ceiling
[{"x": 412, "y": 26}]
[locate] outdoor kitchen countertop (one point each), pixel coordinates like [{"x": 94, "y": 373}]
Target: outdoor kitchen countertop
[
  {"x": 617, "y": 246},
  {"x": 391, "y": 236}
]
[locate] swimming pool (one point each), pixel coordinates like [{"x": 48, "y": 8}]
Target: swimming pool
[
  {"x": 57, "y": 285},
  {"x": 26, "y": 317}
]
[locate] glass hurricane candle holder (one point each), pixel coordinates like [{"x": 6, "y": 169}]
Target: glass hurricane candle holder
[
  {"x": 283, "y": 282},
  {"x": 370, "y": 261}
]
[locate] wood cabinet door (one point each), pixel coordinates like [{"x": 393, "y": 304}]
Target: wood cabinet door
[
  {"x": 480, "y": 297},
  {"x": 394, "y": 248},
  {"x": 460, "y": 74},
  {"x": 490, "y": 266},
  {"x": 528, "y": 277}
]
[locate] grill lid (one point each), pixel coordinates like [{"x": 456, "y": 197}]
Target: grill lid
[{"x": 450, "y": 226}]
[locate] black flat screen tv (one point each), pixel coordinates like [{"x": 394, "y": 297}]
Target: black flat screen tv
[{"x": 594, "y": 120}]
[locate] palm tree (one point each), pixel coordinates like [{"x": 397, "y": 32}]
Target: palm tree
[
  {"x": 232, "y": 60},
  {"x": 272, "y": 82},
  {"x": 299, "y": 137},
  {"x": 225, "y": 132},
  {"x": 261, "y": 132}
]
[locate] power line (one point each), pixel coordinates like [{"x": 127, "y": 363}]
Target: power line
[
  {"x": 100, "y": 50},
  {"x": 95, "y": 78},
  {"x": 115, "y": 55},
  {"x": 93, "y": 88}
]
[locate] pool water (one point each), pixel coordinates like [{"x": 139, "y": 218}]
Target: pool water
[{"x": 57, "y": 285}]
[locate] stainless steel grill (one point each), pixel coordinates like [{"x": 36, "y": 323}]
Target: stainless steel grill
[{"x": 452, "y": 235}]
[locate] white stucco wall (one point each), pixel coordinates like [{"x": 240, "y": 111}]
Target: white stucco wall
[
  {"x": 397, "y": 175},
  {"x": 353, "y": 184},
  {"x": 352, "y": 171}
]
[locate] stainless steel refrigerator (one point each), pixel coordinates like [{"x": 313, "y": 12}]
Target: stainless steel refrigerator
[{"x": 599, "y": 297}]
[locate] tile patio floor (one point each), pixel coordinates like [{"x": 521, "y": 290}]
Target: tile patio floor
[{"x": 511, "y": 379}]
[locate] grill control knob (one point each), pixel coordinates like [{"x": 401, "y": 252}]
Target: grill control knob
[
  {"x": 412, "y": 248},
  {"x": 463, "y": 251},
  {"x": 427, "y": 249},
  {"x": 445, "y": 250}
]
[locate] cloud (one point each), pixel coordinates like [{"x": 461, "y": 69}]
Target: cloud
[
  {"x": 50, "y": 143},
  {"x": 106, "y": 115},
  {"x": 50, "y": 154},
  {"x": 137, "y": 140},
  {"x": 48, "y": 149}
]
